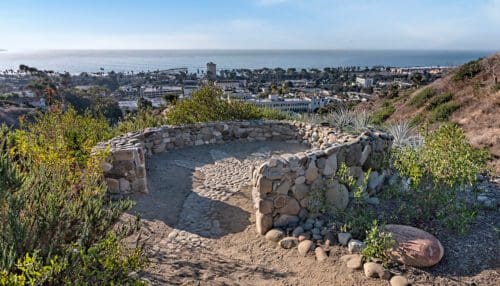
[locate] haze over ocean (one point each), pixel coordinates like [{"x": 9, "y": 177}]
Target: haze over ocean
[{"x": 75, "y": 61}]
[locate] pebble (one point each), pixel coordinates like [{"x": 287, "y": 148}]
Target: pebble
[
  {"x": 275, "y": 235},
  {"x": 375, "y": 270},
  {"x": 344, "y": 238},
  {"x": 355, "y": 262},
  {"x": 305, "y": 246},
  {"x": 399, "y": 280},
  {"x": 320, "y": 254},
  {"x": 298, "y": 231},
  {"x": 307, "y": 226},
  {"x": 304, "y": 236},
  {"x": 355, "y": 246},
  {"x": 315, "y": 231},
  {"x": 289, "y": 242}
]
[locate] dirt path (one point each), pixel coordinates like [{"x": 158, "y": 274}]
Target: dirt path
[{"x": 199, "y": 227}]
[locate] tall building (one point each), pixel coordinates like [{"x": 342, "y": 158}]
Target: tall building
[{"x": 211, "y": 71}]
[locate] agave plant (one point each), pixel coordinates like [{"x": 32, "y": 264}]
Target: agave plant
[
  {"x": 404, "y": 135},
  {"x": 361, "y": 121},
  {"x": 342, "y": 118}
]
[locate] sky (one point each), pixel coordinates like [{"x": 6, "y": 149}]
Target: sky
[{"x": 250, "y": 24}]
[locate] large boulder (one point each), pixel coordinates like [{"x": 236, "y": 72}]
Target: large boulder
[{"x": 414, "y": 247}]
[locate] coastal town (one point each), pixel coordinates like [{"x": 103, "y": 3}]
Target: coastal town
[{"x": 290, "y": 90}]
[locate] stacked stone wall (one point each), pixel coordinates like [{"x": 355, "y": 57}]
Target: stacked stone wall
[{"x": 286, "y": 189}]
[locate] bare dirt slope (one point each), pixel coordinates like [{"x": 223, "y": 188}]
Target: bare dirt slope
[{"x": 198, "y": 225}]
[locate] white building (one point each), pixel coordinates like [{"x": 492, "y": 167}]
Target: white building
[
  {"x": 292, "y": 104},
  {"x": 364, "y": 82},
  {"x": 228, "y": 84},
  {"x": 153, "y": 92}
]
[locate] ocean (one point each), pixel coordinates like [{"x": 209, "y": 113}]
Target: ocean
[{"x": 76, "y": 61}]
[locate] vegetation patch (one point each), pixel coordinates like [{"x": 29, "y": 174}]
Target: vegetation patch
[
  {"x": 439, "y": 100},
  {"x": 207, "y": 105},
  {"x": 467, "y": 71},
  {"x": 381, "y": 115},
  {"x": 437, "y": 173},
  {"x": 443, "y": 111},
  {"x": 421, "y": 97}
]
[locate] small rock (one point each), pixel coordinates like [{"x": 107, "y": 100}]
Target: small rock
[
  {"x": 297, "y": 231},
  {"x": 399, "y": 280},
  {"x": 289, "y": 242},
  {"x": 320, "y": 254},
  {"x": 285, "y": 220},
  {"x": 304, "y": 236},
  {"x": 317, "y": 237},
  {"x": 307, "y": 226},
  {"x": 355, "y": 246},
  {"x": 318, "y": 224},
  {"x": 344, "y": 238},
  {"x": 305, "y": 246},
  {"x": 355, "y": 262},
  {"x": 372, "y": 201},
  {"x": 375, "y": 270},
  {"x": 315, "y": 231},
  {"x": 275, "y": 235}
]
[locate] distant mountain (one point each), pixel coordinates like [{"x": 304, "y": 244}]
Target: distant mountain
[{"x": 468, "y": 96}]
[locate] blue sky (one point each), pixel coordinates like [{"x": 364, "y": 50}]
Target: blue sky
[{"x": 250, "y": 24}]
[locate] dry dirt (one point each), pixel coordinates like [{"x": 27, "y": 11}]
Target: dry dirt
[{"x": 199, "y": 235}]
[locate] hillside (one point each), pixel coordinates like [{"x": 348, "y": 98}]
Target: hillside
[
  {"x": 9, "y": 114},
  {"x": 469, "y": 96}
]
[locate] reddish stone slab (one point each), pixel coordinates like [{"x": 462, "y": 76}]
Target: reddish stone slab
[{"x": 414, "y": 247}]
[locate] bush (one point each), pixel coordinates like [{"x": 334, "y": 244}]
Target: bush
[
  {"x": 421, "y": 97},
  {"x": 143, "y": 119},
  {"x": 377, "y": 243},
  {"x": 443, "y": 111},
  {"x": 206, "y": 105},
  {"x": 379, "y": 116},
  {"x": 467, "y": 71},
  {"x": 437, "y": 172},
  {"x": 54, "y": 205},
  {"x": 439, "y": 100}
]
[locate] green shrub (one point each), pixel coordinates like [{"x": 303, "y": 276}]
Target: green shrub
[
  {"x": 141, "y": 120},
  {"x": 439, "y": 100},
  {"x": 444, "y": 111},
  {"x": 55, "y": 202},
  {"x": 421, "y": 97},
  {"x": 468, "y": 70},
  {"x": 437, "y": 172},
  {"x": 379, "y": 116},
  {"x": 206, "y": 105},
  {"x": 377, "y": 243}
]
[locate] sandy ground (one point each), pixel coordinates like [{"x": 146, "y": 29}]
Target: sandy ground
[{"x": 198, "y": 227}]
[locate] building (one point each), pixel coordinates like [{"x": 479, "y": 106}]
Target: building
[
  {"x": 364, "y": 82},
  {"x": 160, "y": 91},
  {"x": 228, "y": 84},
  {"x": 211, "y": 71},
  {"x": 292, "y": 104}
]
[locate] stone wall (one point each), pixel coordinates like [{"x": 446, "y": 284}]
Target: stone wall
[
  {"x": 125, "y": 170},
  {"x": 287, "y": 188},
  {"x": 281, "y": 185}
]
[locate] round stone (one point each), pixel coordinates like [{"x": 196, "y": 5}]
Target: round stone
[
  {"x": 289, "y": 242},
  {"x": 355, "y": 262},
  {"x": 344, "y": 238},
  {"x": 275, "y": 235},
  {"x": 320, "y": 254},
  {"x": 355, "y": 246},
  {"x": 414, "y": 247},
  {"x": 399, "y": 280},
  {"x": 375, "y": 270},
  {"x": 305, "y": 246}
]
